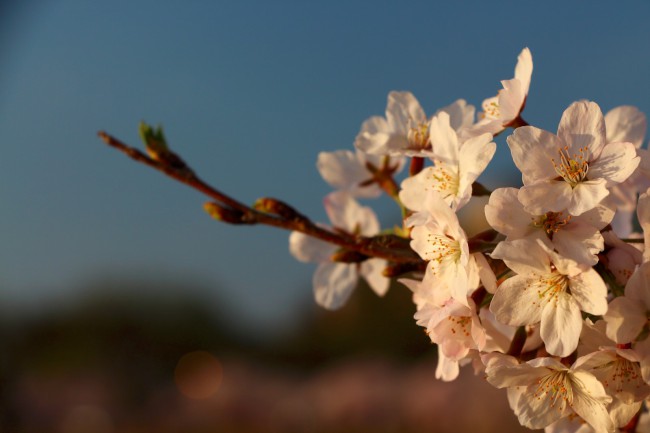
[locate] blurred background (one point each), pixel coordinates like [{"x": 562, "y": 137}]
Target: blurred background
[{"x": 125, "y": 308}]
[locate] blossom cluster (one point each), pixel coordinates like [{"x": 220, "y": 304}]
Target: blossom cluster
[{"x": 553, "y": 302}]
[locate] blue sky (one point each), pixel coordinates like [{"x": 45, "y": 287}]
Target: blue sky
[{"x": 249, "y": 92}]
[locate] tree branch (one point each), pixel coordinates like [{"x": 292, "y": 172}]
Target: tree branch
[{"x": 268, "y": 211}]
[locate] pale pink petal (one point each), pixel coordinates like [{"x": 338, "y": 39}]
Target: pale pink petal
[
  {"x": 583, "y": 127},
  {"x": 511, "y": 99},
  {"x": 524, "y": 256},
  {"x": 504, "y": 371},
  {"x": 309, "y": 249},
  {"x": 444, "y": 142},
  {"x": 475, "y": 154},
  {"x": 638, "y": 287},
  {"x": 537, "y": 413},
  {"x": 524, "y": 69},
  {"x": 561, "y": 325},
  {"x": 376, "y": 136},
  {"x": 545, "y": 196},
  {"x": 461, "y": 114},
  {"x": 402, "y": 107},
  {"x": 579, "y": 242},
  {"x": 486, "y": 274},
  {"x": 517, "y": 301},
  {"x": 597, "y": 217},
  {"x": 415, "y": 188},
  {"x": 616, "y": 163},
  {"x": 590, "y": 401},
  {"x": 533, "y": 150},
  {"x": 447, "y": 369},
  {"x": 506, "y": 214},
  {"x": 590, "y": 292},
  {"x": 626, "y": 123},
  {"x": 643, "y": 213},
  {"x": 346, "y": 213},
  {"x": 371, "y": 270},
  {"x": 622, "y": 413},
  {"x": 587, "y": 195},
  {"x": 343, "y": 170},
  {"x": 334, "y": 283}
]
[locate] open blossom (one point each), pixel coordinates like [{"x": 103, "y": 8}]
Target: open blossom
[
  {"x": 543, "y": 391},
  {"x": 503, "y": 110},
  {"x": 351, "y": 171},
  {"x": 438, "y": 238},
  {"x": 627, "y": 315},
  {"x": 573, "y": 169},
  {"x": 334, "y": 281},
  {"x": 627, "y": 124},
  {"x": 616, "y": 365},
  {"x": 457, "y": 165},
  {"x": 574, "y": 237},
  {"x": 405, "y": 129},
  {"x": 548, "y": 289}
]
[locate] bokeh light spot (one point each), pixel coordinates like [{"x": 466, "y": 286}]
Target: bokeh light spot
[{"x": 198, "y": 375}]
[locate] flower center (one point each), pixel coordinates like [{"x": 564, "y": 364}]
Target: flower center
[
  {"x": 418, "y": 135},
  {"x": 572, "y": 168},
  {"x": 445, "y": 181},
  {"x": 549, "y": 287},
  {"x": 557, "y": 388},
  {"x": 491, "y": 108},
  {"x": 625, "y": 374},
  {"x": 442, "y": 249},
  {"x": 460, "y": 325},
  {"x": 551, "y": 222}
]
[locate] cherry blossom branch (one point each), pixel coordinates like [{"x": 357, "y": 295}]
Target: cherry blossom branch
[{"x": 266, "y": 211}]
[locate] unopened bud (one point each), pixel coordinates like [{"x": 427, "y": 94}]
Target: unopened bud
[
  {"x": 156, "y": 146},
  {"x": 225, "y": 214},
  {"x": 277, "y": 207}
]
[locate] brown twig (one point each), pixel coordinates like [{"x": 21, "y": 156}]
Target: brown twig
[{"x": 274, "y": 212}]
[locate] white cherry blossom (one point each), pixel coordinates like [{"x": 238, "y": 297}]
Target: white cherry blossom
[
  {"x": 543, "y": 391},
  {"x": 333, "y": 281},
  {"x": 457, "y": 165},
  {"x": 573, "y": 169},
  {"x": 405, "y": 129},
  {"x": 437, "y": 237},
  {"x": 575, "y": 237},
  {"x": 627, "y": 124},
  {"x": 349, "y": 171},
  {"x": 503, "y": 110},
  {"x": 548, "y": 289}
]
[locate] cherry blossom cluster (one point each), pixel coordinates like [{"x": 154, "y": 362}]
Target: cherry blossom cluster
[{"x": 553, "y": 302}]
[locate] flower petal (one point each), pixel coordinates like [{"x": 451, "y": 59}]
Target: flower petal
[
  {"x": 343, "y": 170},
  {"x": 626, "y": 123},
  {"x": 309, "y": 249},
  {"x": 402, "y": 107},
  {"x": 371, "y": 270},
  {"x": 587, "y": 195},
  {"x": 444, "y": 141},
  {"x": 516, "y": 301},
  {"x": 524, "y": 69},
  {"x": 590, "y": 401},
  {"x": 334, "y": 283},
  {"x": 616, "y": 163},
  {"x": 583, "y": 127},
  {"x": 505, "y": 213},
  {"x": 625, "y": 319},
  {"x": 561, "y": 325},
  {"x": 589, "y": 291},
  {"x": 545, "y": 196},
  {"x": 532, "y": 152}
]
